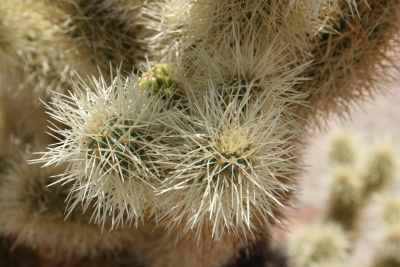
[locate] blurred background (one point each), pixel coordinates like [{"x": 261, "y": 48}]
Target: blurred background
[{"x": 377, "y": 119}]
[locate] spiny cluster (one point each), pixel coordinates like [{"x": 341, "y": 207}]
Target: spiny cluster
[
  {"x": 32, "y": 64},
  {"x": 210, "y": 147},
  {"x": 33, "y": 213},
  {"x": 235, "y": 158},
  {"x": 112, "y": 131},
  {"x": 204, "y": 164},
  {"x": 224, "y": 154},
  {"x": 229, "y": 38},
  {"x": 351, "y": 61},
  {"x": 108, "y": 32},
  {"x": 227, "y": 165},
  {"x": 115, "y": 139}
]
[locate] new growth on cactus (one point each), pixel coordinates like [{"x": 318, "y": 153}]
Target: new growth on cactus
[{"x": 159, "y": 82}]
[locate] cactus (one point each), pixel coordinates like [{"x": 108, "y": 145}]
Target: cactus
[
  {"x": 33, "y": 214},
  {"x": 318, "y": 246},
  {"x": 350, "y": 60},
  {"x": 380, "y": 167},
  {"x": 114, "y": 137},
  {"x": 350, "y": 189},
  {"x": 355, "y": 181},
  {"x": 387, "y": 254},
  {"x": 342, "y": 147},
  {"x": 178, "y": 125},
  {"x": 344, "y": 198}
]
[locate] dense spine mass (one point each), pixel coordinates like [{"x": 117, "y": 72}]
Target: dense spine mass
[{"x": 182, "y": 119}]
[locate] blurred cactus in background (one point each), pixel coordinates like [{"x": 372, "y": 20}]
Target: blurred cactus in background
[
  {"x": 318, "y": 245},
  {"x": 331, "y": 240},
  {"x": 175, "y": 129},
  {"x": 353, "y": 184},
  {"x": 389, "y": 245}
]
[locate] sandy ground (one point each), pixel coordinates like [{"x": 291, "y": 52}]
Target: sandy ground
[{"x": 378, "y": 119}]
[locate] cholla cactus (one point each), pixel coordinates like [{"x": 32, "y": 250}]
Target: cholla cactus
[
  {"x": 380, "y": 166},
  {"x": 345, "y": 196},
  {"x": 112, "y": 134},
  {"x": 351, "y": 61},
  {"x": 388, "y": 251},
  {"x": 354, "y": 182},
  {"x": 390, "y": 247},
  {"x": 318, "y": 246},
  {"x": 239, "y": 160},
  {"x": 203, "y": 137},
  {"x": 342, "y": 147},
  {"x": 33, "y": 214},
  {"x": 390, "y": 212},
  {"x": 349, "y": 191},
  {"x": 234, "y": 156},
  {"x": 107, "y": 32},
  {"x": 159, "y": 82}
]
